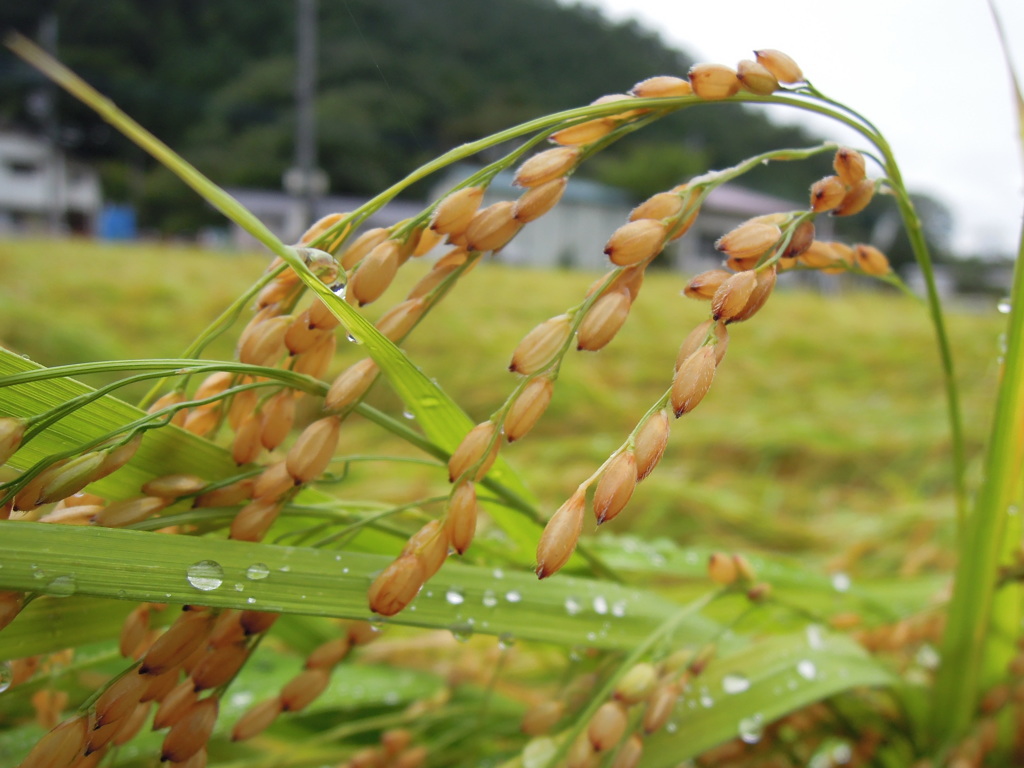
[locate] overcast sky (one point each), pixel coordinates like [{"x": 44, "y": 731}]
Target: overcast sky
[{"x": 929, "y": 73}]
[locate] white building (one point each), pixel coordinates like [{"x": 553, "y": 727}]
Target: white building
[{"x": 38, "y": 182}]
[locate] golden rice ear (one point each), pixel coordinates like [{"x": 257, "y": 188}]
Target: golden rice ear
[
  {"x": 454, "y": 213},
  {"x": 801, "y": 240},
  {"x": 461, "y": 518},
  {"x": 732, "y": 295},
  {"x": 313, "y": 450},
  {"x": 396, "y": 323},
  {"x": 528, "y": 408},
  {"x": 191, "y": 732},
  {"x": 256, "y": 719},
  {"x": 779, "y": 64},
  {"x": 351, "y": 384},
  {"x": 478, "y": 448},
  {"x": 871, "y": 260},
  {"x": 650, "y": 443},
  {"x": 537, "y": 201},
  {"x": 303, "y": 689},
  {"x": 540, "y": 345},
  {"x": 722, "y": 569},
  {"x": 584, "y": 133},
  {"x": 827, "y": 193},
  {"x": 600, "y": 325},
  {"x": 615, "y": 488},
  {"x": 849, "y": 165},
  {"x": 857, "y": 199},
  {"x": 362, "y": 246},
  {"x": 662, "y": 86},
  {"x": 660, "y": 706},
  {"x": 762, "y": 290},
  {"x": 493, "y": 227},
  {"x": 664, "y": 205},
  {"x": 61, "y": 746},
  {"x": 692, "y": 380},
  {"x": 756, "y": 78},
  {"x": 375, "y": 273},
  {"x": 561, "y": 533},
  {"x": 713, "y": 82},
  {"x": 607, "y": 726},
  {"x": 396, "y": 586},
  {"x": 749, "y": 240},
  {"x": 704, "y": 285},
  {"x": 541, "y": 718},
  {"x": 546, "y": 166},
  {"x": 635, "y": 242}
]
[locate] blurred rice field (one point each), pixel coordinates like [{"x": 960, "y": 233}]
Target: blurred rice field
[{"x": 824, "y": 435}]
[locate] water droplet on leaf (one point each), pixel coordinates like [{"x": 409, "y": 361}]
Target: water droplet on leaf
[
  {"x": 513, "y": 596},
  {"x": 600, "y": 605},
  {"x": 752, "y": 728},
  {"x": 257, "y": 571},
  {"x": 806, "y": 669},
  {"x": 841, "y": 582},
  {"x": 454, "y": 596},
  {"x": 734, "y": 683},
  {"x": 1005, "y": 305},
  {"x": 6, "y": 676},
  {"x": 205, "y": 575},
  {"x": 63, "y": 586}
]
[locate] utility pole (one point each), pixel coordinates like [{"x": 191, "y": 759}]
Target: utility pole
[
  {"x": 309, "y": 181},
  {"x": 47, "y": 109}
]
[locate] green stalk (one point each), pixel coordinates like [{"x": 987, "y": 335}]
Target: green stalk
[{"x": 959, "y": 680}]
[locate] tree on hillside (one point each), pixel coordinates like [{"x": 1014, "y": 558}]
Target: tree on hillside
[{"x": 400, "y": 81}]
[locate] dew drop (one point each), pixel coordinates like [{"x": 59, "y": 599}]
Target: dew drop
[
  {"x": 407, "y": 414},
  {"x": 6, "y": 676},
  {"x": 257, "y": 571},
  {"x": 285, "y": 568},
  {"x": 353, "y": 339},
  {"x": 121, "y": 594},
  {"x": 927, "y": 656},
  {"x": 498, "y": 573},
  {"x": 63, "y": 586},
  {"x": 705, "y": 699},
  {"x": 462, "y": 632},
  {"x": 205, "y": 575},
  {"x": 573, "y": 606},
  {"x": 513, "y": 596},
  {"x": 338, "y": 289},
  {"x": 619, "y": 608},
  {"x": 38, "y": 573},
  {"x": 1013, "y": 510},
  {"x": 506, "y": 640},
  {"x": 841, "y": 582},
  {"x": 600, "y": 605},
  {"x": 489, "y": 598},
  {"x": 815, "y": 638},
  {"x": 250, "y": 600},
  {"x": 752, "y": 728},
  {"x": 239, "y": 588},
  {"x": 735, "y": 683},
  {"x": 1005, "y": 305},
  {"x": 454, "y": 596},
  {"x": 806, "y": 669}
]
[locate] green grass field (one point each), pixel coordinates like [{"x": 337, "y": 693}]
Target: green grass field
[{"x": 824, "y": 435}]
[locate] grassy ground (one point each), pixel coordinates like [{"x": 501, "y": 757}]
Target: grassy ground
[{"x": 824, "y": 434}]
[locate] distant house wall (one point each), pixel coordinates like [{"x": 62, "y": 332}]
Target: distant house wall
[
  {"x": 572, "y": 235},
  {"x": 35, "y": 180}
]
